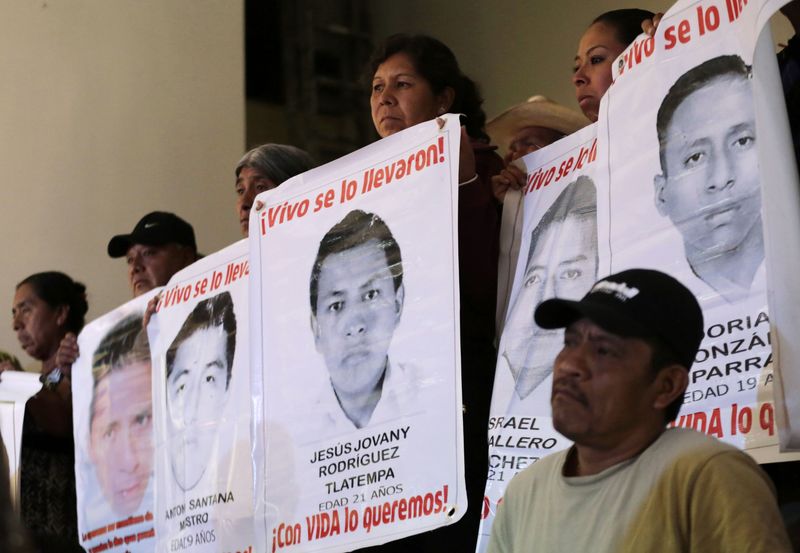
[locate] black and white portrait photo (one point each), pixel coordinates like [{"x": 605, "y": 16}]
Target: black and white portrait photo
[
  {"x": 709, "y": 184},
  {"x": 199, "y": 364},
  {"x": 356, "y": 294},
  {"x": 561, "y": 262}
]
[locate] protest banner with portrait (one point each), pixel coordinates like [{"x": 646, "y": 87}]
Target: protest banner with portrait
[
  {"x": 356, "y": 383},
  {"x": 688, "y": 172},
  {"x": 16, "y": 387},
  {"x": 113, "y": 430},
  {"x": 558, "y": 258},
  {"x": 201, "y": 403}
]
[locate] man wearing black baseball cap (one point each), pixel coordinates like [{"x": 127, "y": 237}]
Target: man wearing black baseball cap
[
  {"x": 159, "y": 246},
  {"x": 629, "y": 484}
]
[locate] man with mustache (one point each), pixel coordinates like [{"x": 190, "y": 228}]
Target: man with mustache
[
  {"x": 629, "y": 484},
  {"x": 160, "y": 245},
  {"x": 709, "y": 182}
]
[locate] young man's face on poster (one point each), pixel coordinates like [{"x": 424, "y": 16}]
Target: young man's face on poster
[
  {"x": 357, "y": 313},
  {"x": 563, "y": 264},
  {"x": 197, "y": 389},
  {"x": 121, "y": 438},
  {"x": 710, "y": 186}
]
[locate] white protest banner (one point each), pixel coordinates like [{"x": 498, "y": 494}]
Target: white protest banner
[
  {"x": 558, "y": 258},
  {"x": 782, "y": 230},
  {"x": 113, "y": 430},
  {"x": 355, "y": 347},
  {"x": 201, "y": 403},
  {"x": 685, "y": 166},
  {"x": 16, "y": 387}
]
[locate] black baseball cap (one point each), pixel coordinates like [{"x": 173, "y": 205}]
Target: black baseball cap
[
  {"x": 154, "y": 229},
  {"x": 637, "y": 303}
]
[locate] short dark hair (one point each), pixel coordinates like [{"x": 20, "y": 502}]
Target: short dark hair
[
  {"x": 627, "y": 23},
  {"x": 126, "y": 343},
  {"x": 437, "y": 64},
  {"x": 693, "y": 80},
  {"x": 357, "y": 228},
  {"x": 661, "y": 357},
  {"x": 57, "y": 289},
  {"x": 214, "y": 311},
  {"x": 578, "y": 199}
]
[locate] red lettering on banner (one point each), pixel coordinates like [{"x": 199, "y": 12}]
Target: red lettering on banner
[
  {"x": 181, "y": 293},
  {"x": 637, "y": 53},
  {"x": 708, "y": 423},
  {"x": 334, "y": 522},
  {"x": 735, "y": 9},
  {"x": 285, "y": 212},
  {"x": 374, "y": 178},
  {"x": 679, "y": 33},
  {"x": 325, "y": 199},
  {"x": 285, "y": 535},
  {"x": 766, "y": 418},
  {"x": 705, "y": 19},
  {"x": 322, "y": 525},
  {"x": 543, "y": 176}
]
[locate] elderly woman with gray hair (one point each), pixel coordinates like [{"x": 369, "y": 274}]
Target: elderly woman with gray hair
[{"x": 264, "y": 168}]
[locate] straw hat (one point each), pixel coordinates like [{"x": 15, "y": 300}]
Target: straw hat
[{"x": 537, "y": 111}]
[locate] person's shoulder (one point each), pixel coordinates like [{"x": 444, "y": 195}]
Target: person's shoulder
[
  {"x": 689, "y": 451},
  {"x": 691, "y": 440},
  {"x": 685, "y": 441}
]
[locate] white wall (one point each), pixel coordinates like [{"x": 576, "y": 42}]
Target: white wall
[
  {"x": 512, "y": 49},
  {"x": 111, "y": 109}
]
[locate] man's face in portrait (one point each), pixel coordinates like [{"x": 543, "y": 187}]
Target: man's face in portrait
[
  {"x": 121, "y": 437},
  {"x": 563, "y": 265},
  {"x": 710, "y": 187},
  {"x": 357, "y": 313},
  {"x": 197, "y": 389}
]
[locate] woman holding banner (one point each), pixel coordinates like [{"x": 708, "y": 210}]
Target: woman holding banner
[
  {"x": 605, "y": 39},
  {"x": 416, "y": 78},
  {"x": 46, "y": 307}
]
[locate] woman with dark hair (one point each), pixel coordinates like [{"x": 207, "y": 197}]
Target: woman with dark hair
[
  {"x": 438, "y": 85},
  {"x": 46, "y": 307},
  {"x": 416, "y": 78},
  {"x": 605, "y": 39}
]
